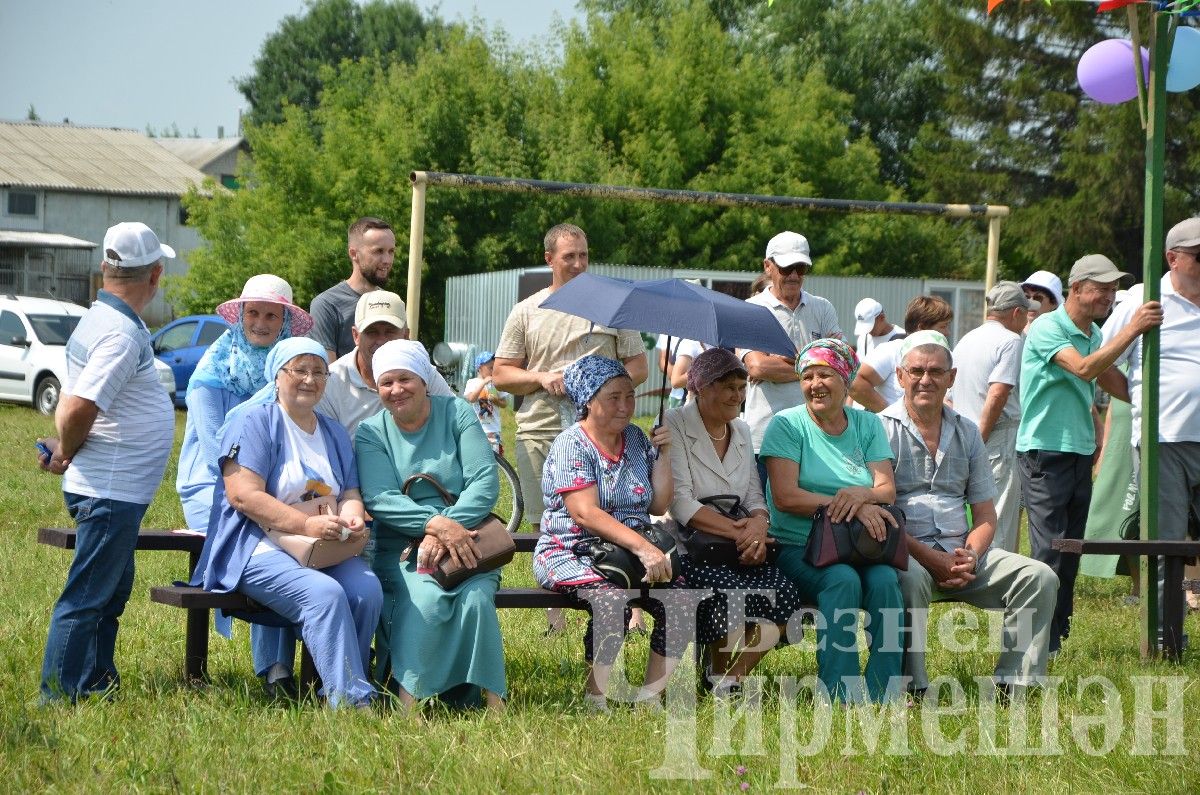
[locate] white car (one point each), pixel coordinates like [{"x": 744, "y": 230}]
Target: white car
[{"x": 33, "y": 353}]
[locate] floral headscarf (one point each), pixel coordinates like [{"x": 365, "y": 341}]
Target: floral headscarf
[
  {"x": 832, "y": 353},
  {"x": 584, "y": 378}
]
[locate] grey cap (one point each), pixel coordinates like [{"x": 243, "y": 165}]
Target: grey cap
[
  {"x": 1185, "y": 234},
  {"x": 1095, "y": 268},
  {"x": 1008, "y": 295}
]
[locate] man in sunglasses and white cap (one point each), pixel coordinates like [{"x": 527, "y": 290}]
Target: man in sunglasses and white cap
[
  {"x": 774, "y": 385},
  {"x": 1063, "y": 359},
  {"x": 1178, "y": 382},
  {"x": 115, "y": 427}
]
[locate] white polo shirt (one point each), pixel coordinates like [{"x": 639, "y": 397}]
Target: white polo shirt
[
  {"x": 110, "y": 362},
  {"x": 1178, "y": 365},
  {"x": 990, "y": 354},
  {"x": 813, "y": 318},
  {"x": 348, "y": 400}
]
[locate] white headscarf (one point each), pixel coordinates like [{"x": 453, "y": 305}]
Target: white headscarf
[{"x": 402, "y": 355}]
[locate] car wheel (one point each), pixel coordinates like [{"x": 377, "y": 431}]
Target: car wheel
[{"x": 45, "y": 397}]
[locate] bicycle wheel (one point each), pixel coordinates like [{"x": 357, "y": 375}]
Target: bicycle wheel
[{"x": 509, "y": 504}]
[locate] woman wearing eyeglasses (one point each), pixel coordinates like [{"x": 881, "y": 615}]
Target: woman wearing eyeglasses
[
  {"x": 231, "y": 370},
  {"x": 276, "y": 453}
]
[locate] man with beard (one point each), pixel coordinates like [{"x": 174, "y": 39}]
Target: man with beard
[
  {"x": 371, "y": 244},
  {"x": 351, "y": 395},
  {"x": 1063, "y": 359}
]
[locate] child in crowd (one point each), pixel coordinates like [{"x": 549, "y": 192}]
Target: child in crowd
[{"x": 486, "y": 398}]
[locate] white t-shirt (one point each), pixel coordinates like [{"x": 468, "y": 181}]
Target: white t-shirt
[
  {"x": 488, "y": 414},
  {"x": 1178, "y": 365},
  {"x": 110, "y": 362},
  {"x": 813, "y": 318},
  {"x": 306, "y": 473},
  {"x": 990, "y": 354},
  {"x": 869, "y": 342},
  {"x": 883, "y": 361}
]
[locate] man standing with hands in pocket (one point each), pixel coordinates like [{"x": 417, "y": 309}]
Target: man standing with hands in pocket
[{"x": 115, "y": 427}]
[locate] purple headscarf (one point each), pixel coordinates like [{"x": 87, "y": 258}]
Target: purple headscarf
[{"x": 712, "y": 365}]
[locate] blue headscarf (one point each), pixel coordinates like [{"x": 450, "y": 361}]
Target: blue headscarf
[
  {"x": 282, "y": 353},
  {"x": 584, "y": 378},
  {"x": 233, "y": 362}
]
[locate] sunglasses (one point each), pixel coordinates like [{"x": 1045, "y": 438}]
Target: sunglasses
[{"x": 789, "y": 269}]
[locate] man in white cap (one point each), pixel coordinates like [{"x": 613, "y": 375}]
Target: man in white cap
[
  {"x": 350, "y": 394},
  {"x": 371, "y": 245},
  {"x": 115, "y": 431},
  {"x": 871, "y": 327},
  {"x": 774, "y": 385},
  {"x": 1063, "y": 359},
  {"x": 1178, "y": 382},
  {"x": 1046, "y": 289},
  {"x": 985, "y": 392}
]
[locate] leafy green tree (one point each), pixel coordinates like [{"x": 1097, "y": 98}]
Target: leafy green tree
[{"x": 288, "y": 69}]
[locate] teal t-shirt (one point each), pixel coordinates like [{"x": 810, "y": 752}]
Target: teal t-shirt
[
  {"x": 827, "y": 463},
  {"x": 1056, "y": 406}
]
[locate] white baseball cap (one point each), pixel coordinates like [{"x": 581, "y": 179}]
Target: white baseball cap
[
  {"x": 864, "y": 315},
  {"x": 1047, "y": 281},
  {"x": 380, "y": 306},
  {"x": 132, "y": 244},
  {"x": 788, "y": 248}
]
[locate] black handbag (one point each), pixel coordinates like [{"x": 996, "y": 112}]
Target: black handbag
[
  {"x": 621, "y": 566},
  {"x": 708, "y": 549},
  {"x": 849, "y": 542}
]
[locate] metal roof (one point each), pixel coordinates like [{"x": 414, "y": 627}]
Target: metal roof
[
  {"x": 199, "y": 152},
  {"x": 90, "y": 159},
  {"x": 43, "y": 239}
]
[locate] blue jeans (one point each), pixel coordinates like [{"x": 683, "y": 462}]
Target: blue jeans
[{"x": 83, "y": 628}]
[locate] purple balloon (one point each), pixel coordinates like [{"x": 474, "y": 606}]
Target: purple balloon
[{"x": 1107, "y": 74}]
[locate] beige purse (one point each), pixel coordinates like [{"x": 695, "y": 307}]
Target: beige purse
[
  {"x": 316, "y": 553},
  {"x": 496, "y": 546}
]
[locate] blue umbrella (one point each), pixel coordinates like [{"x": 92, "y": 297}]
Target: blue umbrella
[{"x": 673, "y": 307}]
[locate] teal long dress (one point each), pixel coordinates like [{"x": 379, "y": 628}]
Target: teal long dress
[{"x": 432, "y": 641}]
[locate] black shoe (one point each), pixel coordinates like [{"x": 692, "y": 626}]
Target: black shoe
[{"x": 284, "y": 689}]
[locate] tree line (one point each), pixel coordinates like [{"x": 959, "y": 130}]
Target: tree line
[{"x": 903, "y": 100}]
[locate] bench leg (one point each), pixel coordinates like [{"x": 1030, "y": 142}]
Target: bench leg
[
  {"x": 309, "y": 682},
  {"x": 196, "y": 646},
  {"x": 1172, "y": 608}
]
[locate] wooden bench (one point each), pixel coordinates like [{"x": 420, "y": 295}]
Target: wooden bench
[{"x": 1174, "y": 554}]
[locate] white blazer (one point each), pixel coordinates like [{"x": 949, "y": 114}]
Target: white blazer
[{"x": 700, "y": 473}]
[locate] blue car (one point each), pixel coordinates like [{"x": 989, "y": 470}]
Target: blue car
[{"x": 182, "y": 342}]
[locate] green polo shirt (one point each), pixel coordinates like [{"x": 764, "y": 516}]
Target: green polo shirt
[
  {"x": 827, "y": 463},
  {"x": 1056, "y": 406}
]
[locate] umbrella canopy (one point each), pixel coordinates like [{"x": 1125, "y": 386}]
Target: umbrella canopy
[{"x": 673, "y": 307}]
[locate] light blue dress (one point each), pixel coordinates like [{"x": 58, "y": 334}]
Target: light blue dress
[{"x": 432, "y": 641}]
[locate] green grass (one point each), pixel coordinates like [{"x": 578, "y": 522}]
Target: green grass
[{"x": 162, "y": 736}]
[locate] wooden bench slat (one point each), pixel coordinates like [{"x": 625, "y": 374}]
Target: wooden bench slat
[{"x": 1088, "y": 546}]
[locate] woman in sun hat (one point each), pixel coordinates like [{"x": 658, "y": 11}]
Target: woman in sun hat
[{"x": 231, "y": 370}]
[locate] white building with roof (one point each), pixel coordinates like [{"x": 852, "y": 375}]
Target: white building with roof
[
  {"x": 216, "y": 157},
  {"x": 62, "y": 186}
]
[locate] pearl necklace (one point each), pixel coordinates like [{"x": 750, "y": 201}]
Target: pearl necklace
[{"x": 720, "y": 438}]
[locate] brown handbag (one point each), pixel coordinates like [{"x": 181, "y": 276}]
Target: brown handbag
[
  {"x": 316, "y": 553},
  {"x": 496, "y": 546}
]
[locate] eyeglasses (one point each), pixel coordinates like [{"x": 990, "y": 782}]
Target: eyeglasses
[
  {"x": 920, "y": 372},
  {"x": 304, "y": 375}
]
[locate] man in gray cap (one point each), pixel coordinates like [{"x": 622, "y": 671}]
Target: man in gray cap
[
  {"x": 989, "y": 369},
  {"x": 115, "y": 430},
  {"x": 1063, "y": 359},
  {"x": 1178, "y": 378}
]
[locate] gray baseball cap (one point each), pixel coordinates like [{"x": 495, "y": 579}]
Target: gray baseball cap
[
  {"x": 1185, "y": 234},
  {"x": 1095, "y": 268},
  {"x": 1008, "y": 295}
]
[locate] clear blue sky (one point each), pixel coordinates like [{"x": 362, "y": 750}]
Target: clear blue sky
[{"x": 132, "y": 63}]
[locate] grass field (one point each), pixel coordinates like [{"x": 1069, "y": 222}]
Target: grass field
[{"x": 159, "y": 735}]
